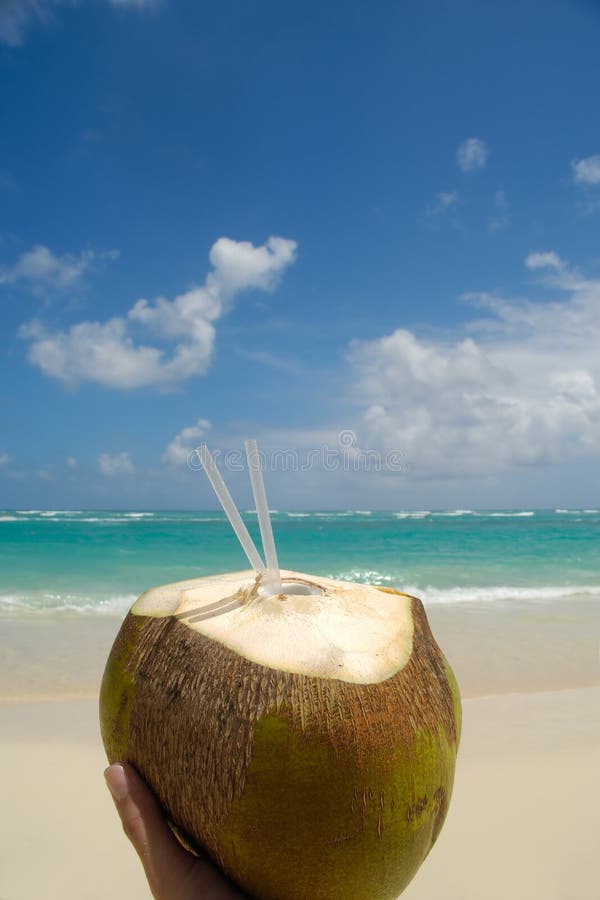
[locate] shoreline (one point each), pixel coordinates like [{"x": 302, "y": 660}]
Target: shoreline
[{"x": 493, "y": 649}]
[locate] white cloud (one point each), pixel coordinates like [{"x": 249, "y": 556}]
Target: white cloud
[
  {"x": 106, "y": 352},
  {"x": 121, "y": 464},
  {"x": 40, "y": 267},
  {"x": 16, "y": 16},
  {"x": 550, "y": 260},
  {"x": 500, "y": 218},
  {"x": 71, "y": 462},
  {"x": 520, "y": 387},
  {"x": 587, "y": 170},
  {"x": 472, "y": 155},
  {"x": 102, "y": 353},
  {"x": 446, "y": 203},
  {"x": 4, "y": 459},
  {"x": 446, "y": 199},
  {"x": 183, "y": 444}
]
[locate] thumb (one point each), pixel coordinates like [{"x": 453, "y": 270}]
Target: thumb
[{"x": 165, "y": 861}]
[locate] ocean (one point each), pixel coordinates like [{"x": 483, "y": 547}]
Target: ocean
[{"x": 57, "y": 563}]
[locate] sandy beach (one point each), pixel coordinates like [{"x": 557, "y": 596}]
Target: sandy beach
[{"x": 523, "y": 822}]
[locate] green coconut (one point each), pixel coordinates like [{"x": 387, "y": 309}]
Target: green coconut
[{"x": 306, "y": 740}]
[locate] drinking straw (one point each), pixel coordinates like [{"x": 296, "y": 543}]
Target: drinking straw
[
  {"x": 230, "y": 509},
  {"x": 272, "y": 576}
]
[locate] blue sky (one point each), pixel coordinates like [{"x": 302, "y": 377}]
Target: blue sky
[{"x": 291, "y": 221}]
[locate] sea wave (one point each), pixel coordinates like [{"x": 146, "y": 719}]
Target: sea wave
[
  {"x": 455, "y": 512},
  {"x": 24, "y": 604},
  {"x": 471, "y": 594},
  {"x": 504, "y": 593},
  {"x": 419, "y": 514},
  {"x": 509, "y": 515},
  {"x": 366, "y": 576}
]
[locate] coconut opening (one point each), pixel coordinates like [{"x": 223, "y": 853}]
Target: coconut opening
[
  {"x": 318, "y": 626},
  {"x": 290, "y": 588}
]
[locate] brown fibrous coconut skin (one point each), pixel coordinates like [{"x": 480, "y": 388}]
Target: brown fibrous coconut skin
[{"x": 298, "y": 787}]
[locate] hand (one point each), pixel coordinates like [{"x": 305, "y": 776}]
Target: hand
[{"x": 172, "y": 872}]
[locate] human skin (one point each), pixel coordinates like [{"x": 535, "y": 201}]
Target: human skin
[{"x": 172, "y": 872}]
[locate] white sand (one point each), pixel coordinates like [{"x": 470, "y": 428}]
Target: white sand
[{"x": 523, "y": 824}]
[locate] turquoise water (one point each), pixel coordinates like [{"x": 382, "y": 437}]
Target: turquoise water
[{"x": 87, "y": 562}]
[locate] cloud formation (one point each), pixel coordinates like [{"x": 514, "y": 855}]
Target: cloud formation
[
  {"x": 120, "y": 464},
  {"x": 519, "y": 387},
  {"x": 16, "y": 16},
  {"x": 4, "y": 459},
  {"x": 472, "y": 155},
  {"x": 500, "y": 217},
  {"x": 107, "y": 353},
  {"x": 549, "y": 260},
  {"x": 587, "y": 170},
  {"x": 40, "y": 268},
  {"x": 445, "y": 207},
  {"x": 179, "y": 450}
]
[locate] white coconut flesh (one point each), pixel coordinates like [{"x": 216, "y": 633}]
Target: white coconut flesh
[{"x": 316, "y": 626}]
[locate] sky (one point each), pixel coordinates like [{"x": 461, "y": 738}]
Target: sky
[{"x": 364, "y": 234}]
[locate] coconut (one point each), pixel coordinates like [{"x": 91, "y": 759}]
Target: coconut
[{"x": 305, "y": 740}]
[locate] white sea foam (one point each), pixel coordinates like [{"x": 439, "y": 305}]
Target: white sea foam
[
  {"x": 510, "y": 515},
  {"x": 419, "y": 514},
  {"x": 367, "y": 576},
  {"x": 101, "y": 520},
  {"x": 48, "y": 604},
  {"x": 51, "y": 604},
  {"x": 10, "y": 519},
  {"x": 138, "y": 515},
  {"x": 472, "y": 594},
  {"x": 201, "y": 519},
  {"x": 504, "y": 593},
  {"x": 455, "y": 512},
  {"x": 298, "y": 515}
]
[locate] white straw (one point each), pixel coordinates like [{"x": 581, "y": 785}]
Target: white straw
[
  {"x": 230, "y": 509},
  {"x": 272, "y": 577}
]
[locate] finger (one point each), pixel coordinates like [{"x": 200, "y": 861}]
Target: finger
[{"x": 165, "y": 861}]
